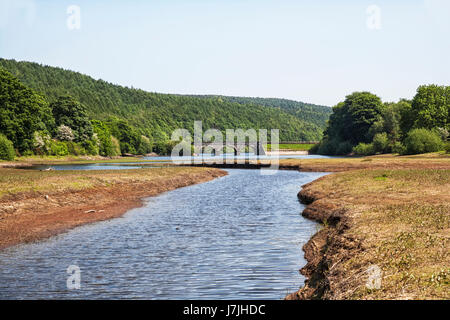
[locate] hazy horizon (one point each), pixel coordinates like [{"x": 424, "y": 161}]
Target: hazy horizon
[{"x": 298, "y": 50}]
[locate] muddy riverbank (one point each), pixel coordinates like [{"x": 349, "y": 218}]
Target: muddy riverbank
[
  {"x": 389, "y": 225},
  {"x": 36, "y": 205}
]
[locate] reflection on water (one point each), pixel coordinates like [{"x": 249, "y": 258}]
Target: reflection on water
[
  {"x": 250, "y": 156},
  {"x": 236, "y": 237}
]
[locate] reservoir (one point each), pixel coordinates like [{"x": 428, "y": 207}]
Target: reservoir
[{"x": 236, "y": 237}]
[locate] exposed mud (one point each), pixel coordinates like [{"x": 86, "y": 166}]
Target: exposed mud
[
  {"x": 329, "y": 246},
  {"x": 29, "y": 217}
]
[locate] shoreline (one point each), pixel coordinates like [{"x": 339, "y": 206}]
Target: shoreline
[
  {"x": 349, "y": 203},
  {"x": 403, "y": 233},
  {"x": 29, "y": 216}
]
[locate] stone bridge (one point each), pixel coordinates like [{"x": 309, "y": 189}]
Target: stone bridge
[{"x": 238, "y": 147}]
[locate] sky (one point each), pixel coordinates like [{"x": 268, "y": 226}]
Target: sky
[{"x": 311, "y": 51}]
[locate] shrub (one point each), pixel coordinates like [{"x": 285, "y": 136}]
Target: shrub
[
  {"x": 422, "y": 141},
  {"x": 145, "y": 146},
  {"x": 91, "y": 147},
  {"x": 7, "y": 151},
  {"x": 344, "y": 148},
  {"x": 364, "y": 149},
  {"x": 58, "y": 148},
  {"x": 327, "y": 147},
  {"x": 41, "y": 142},
  {"x": 399, "y": 148},
  {"x": 447, "y": 147},
  {"x": 64, "y": 133},
  {"x": 115, "y": 147},
  {"x": 314, "y": 149},
  {"x": 75, "y": 149},
  {"x": 380, "y": 143}
]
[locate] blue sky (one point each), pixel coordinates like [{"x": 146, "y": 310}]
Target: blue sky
[{"x": 312, "y": 51}]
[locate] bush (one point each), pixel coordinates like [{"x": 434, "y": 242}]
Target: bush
[
  {"x": 364, "y": 149},
  {"x": 115, "y": 147},
  {"x": 145, "y": 146},
  {"x": 447, "y": 147},
  {"x": 75, "y": 149},
  {"x": 344, "y": 148},
  {"x": 399, "y": 148},
  {"x": 7, "y": 151},
  {"x": 314, "y": 149},
  {"x": 91, "y": 147},
  {"x": 327, "y": 147},
  {"x": 380, "y": 143},
  {"x": 422, "y": 141},
  {"x": 58, "y": 148}
]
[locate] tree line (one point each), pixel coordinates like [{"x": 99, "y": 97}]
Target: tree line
[
  {"x": 363, "y": 125},
  {"x": 30, "y": 125},
  {"x": 156, "y": 115}
]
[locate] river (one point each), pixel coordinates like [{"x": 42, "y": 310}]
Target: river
[{"x": 236, "y": 237}]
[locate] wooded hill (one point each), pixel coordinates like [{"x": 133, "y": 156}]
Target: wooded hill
[
  {"x": 307, "y": 112},
  {"x": 156, "y": 115}
]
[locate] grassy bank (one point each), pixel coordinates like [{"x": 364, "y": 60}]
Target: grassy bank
[
  {"x": 54, "y": 160},
  {"x": 39, "y": 204},
  {"x": 397, "y": 220},
  {"x": 431, "y": 160}
]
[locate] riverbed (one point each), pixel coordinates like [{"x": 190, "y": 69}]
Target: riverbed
[{"x": 236, "y": 237}]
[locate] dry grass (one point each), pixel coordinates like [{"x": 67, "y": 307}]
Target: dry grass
[
  {"x": 402, "y": 220},
  {"x": 388, "y": 161},
  {"x": 14, "y": 182}
]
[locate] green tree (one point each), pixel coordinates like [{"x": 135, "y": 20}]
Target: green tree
[
  {"x": 69, "y": 112},
  {"x": 22, "y": 112},
  {"x": 6, "y": 149},
  {"x": 352, "y": 122},
  {"x": 422, "y": 141},
  {"x": 431, "y": 107},
  {"x": 103, "y": 133}
]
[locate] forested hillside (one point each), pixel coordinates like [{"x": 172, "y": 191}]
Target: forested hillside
[
  {"x": 308, "y": 112},
  {"x": 157, "y": 115}
]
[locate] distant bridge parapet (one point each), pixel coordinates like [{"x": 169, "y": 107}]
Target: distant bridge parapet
[{"x": 238, "y": 147}]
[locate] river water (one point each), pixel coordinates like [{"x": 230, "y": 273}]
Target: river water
[{"x": 236, "y": 237}]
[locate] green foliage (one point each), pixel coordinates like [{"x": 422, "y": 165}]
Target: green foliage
[
  {"x": 399, "y": 148},
  {"x": 364, "y": 149},
  {"x": 91, "y": 147},
  {"x": 422, "y": 141},
  {"x": 352, "y": 119},
  {"x": 145, "y": 146},
  {"x": 22, "y": 112},
  {"x": 376, "y": 128},
  {"x": 129, "y": 137},
  {"x": 315, "y": 114},
  {"x": 381, "y": 143},
  {"x": 58, "y": 148},
  {"x": 103, "y": 133},
  {"x": 344, "y": 148},
  {"x": 75, "y": 149},
  {"x": 327, "y": 146},
  {"x": 153, "y": 112},
  {"x": 447, "y": 147},
  {"x": 431, "y": 107},
  {"x": 7, "y": 151},
  {"x": 69, "y": 112},
  {"x": 115, "y": 147}
]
